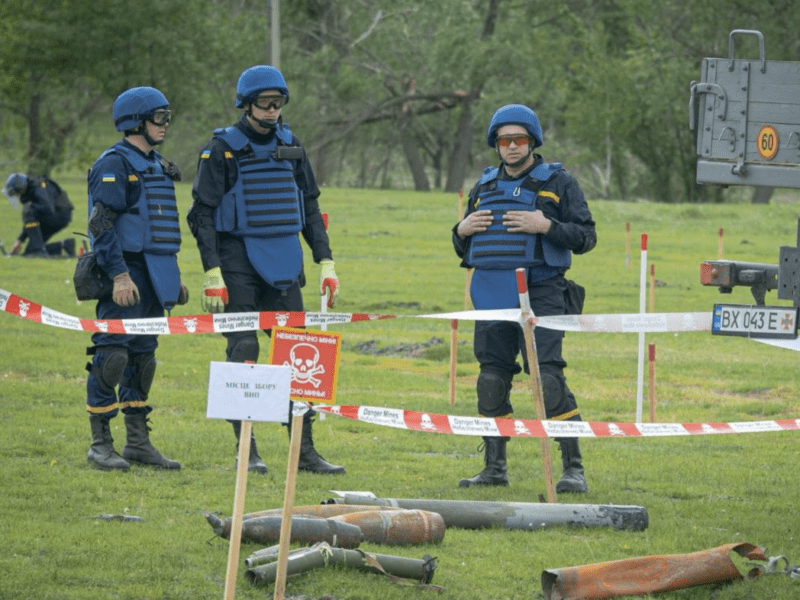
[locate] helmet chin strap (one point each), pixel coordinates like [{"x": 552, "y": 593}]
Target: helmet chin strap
[
  {"x": 263, "y": 123},
  {"x": 142, "y": 130},
  {"x": 518, "y": 163},
  {"x": 151, "y": 141}
]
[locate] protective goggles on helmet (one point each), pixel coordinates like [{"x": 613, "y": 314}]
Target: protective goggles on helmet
[
  {"x": 269, "y": 102},
  {"x": 519, "y": 140},
  {"x": 160, "y": 117}
]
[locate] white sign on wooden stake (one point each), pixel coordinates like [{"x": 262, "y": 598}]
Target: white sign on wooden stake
[{"x": 249, "y": 392}]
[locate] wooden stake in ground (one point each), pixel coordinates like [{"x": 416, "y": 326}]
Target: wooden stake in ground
[
  {"x": 288, "y": 505},
  {"x": 627, "y": 245},
  {"x": 324, "y": 297},
  {"x": 536, "y": 380},
  {"x": 652, "y": 287},
  {"x": 454, "y": 326},
  {"x": 652, "y": 383},
  {"x": 719, "y": 249},
  {"x": 453, "y": 358},
  {"x": 238, "y": 509},
  {"x": 642, "y": 297}
]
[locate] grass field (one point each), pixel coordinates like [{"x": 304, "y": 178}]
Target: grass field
[{"x": 393, "y": 255}]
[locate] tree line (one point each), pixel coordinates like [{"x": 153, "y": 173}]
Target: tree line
[{"x": 387, "y": 95}]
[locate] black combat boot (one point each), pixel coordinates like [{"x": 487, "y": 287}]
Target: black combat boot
[
  {"x": 572, "y": 479},
  {"x": 254, "y": 464},
  {"x": 55, "y": 249},
  {"x": 102, "y": 453},
  {"x": 138, "y": 448},
  {"x": 310, "y": 460},
  {"x": 495, "y": 471}
]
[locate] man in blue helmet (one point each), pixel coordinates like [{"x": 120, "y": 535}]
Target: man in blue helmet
[
  {"x": 531, "y": 214},
  {"x": 254, "y": 193},
  {"x": 46, "y": 210},
  {"x": 135, "y": 232}
]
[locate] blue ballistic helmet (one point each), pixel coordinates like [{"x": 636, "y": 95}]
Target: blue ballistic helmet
[
  {"x": 257, "y": 79},
  {"x": 515, "y": 114},
  {"x": 15, "y": 186},
  {"x": 135, "y": 105}
]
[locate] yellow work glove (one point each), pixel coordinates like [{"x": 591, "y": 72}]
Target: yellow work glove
[
  {"x": 215, "y": 294},
  {"x": 125, "y": 292},
  {"x": 328, "y": 282}
]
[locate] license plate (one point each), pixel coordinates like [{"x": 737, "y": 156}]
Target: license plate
[{"x": 755, "y": 321}]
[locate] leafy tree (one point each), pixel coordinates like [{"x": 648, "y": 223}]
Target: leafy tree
[
  {"x": 393, "y": 95},
  {"x": 63, "y": 63}
]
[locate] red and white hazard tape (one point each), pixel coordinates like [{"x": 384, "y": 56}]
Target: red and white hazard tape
[
  {"x": 251, "y": 321},
  {"x": 231, "y": 322},
  {"x": 616, "y": 323},
  {"x": 482, "y": 426},
  {"x": 219, "y": 323},
  {"x": 421, "y": 421}
]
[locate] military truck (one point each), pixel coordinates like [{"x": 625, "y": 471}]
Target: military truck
[{"x": 745, "y": 115}]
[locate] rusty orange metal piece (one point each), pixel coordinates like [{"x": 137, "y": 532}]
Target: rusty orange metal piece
[
  {"x": 397, "y": 527},
  {"x": 648, "y": 574}
]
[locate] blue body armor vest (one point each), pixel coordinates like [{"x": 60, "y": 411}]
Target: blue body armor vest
[
  {"x": 265, "y": 200},
  {"x": 497, "y": 248},
  {"x": 152, "y": 224},
  {"x": 264, "y": 207}
]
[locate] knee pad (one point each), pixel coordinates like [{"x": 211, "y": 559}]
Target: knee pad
[
  {"x": 139, "y": 374},
  {"x": 493, "y": 394},
  {"x": 108, "y": 366},
  {"x": 243, "y": 350},
  {"x": 552, "y": 393}
]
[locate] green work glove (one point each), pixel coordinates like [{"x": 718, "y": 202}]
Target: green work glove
[
  {"x": 215, "y": 294},
  {"x": 125, "y": 292},
  {"x": 328, "y": 282}
]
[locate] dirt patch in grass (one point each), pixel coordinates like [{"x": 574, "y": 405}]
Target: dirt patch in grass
[{"x": 372, "y": 348}]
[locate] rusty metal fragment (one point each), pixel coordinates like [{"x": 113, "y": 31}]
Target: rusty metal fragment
[
  {"x": 648, "y": 574},
  {"x": 397, "y": 527}
]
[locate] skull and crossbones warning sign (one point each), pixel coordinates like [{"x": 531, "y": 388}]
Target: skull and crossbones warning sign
[
  {"x": 313, "y": 357},
  {"x": 304, "y": 361}
]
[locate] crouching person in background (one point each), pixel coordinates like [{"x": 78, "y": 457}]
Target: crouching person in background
[{"x": 46, "y": 210}]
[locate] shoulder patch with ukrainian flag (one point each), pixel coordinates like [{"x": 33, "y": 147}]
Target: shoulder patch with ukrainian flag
[{"x": 205, "y": 153}]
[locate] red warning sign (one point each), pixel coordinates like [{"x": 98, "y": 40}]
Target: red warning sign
[{"x": 314, "y": 359}]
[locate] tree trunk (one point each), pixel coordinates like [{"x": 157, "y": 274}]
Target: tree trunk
[
  {"x": 36, "y": 158},
  {"x": 459, "y": 157},
  {"x": 415, "y": 163}
]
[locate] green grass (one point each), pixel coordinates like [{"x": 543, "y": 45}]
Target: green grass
[{"x": 393, "y": 255}]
